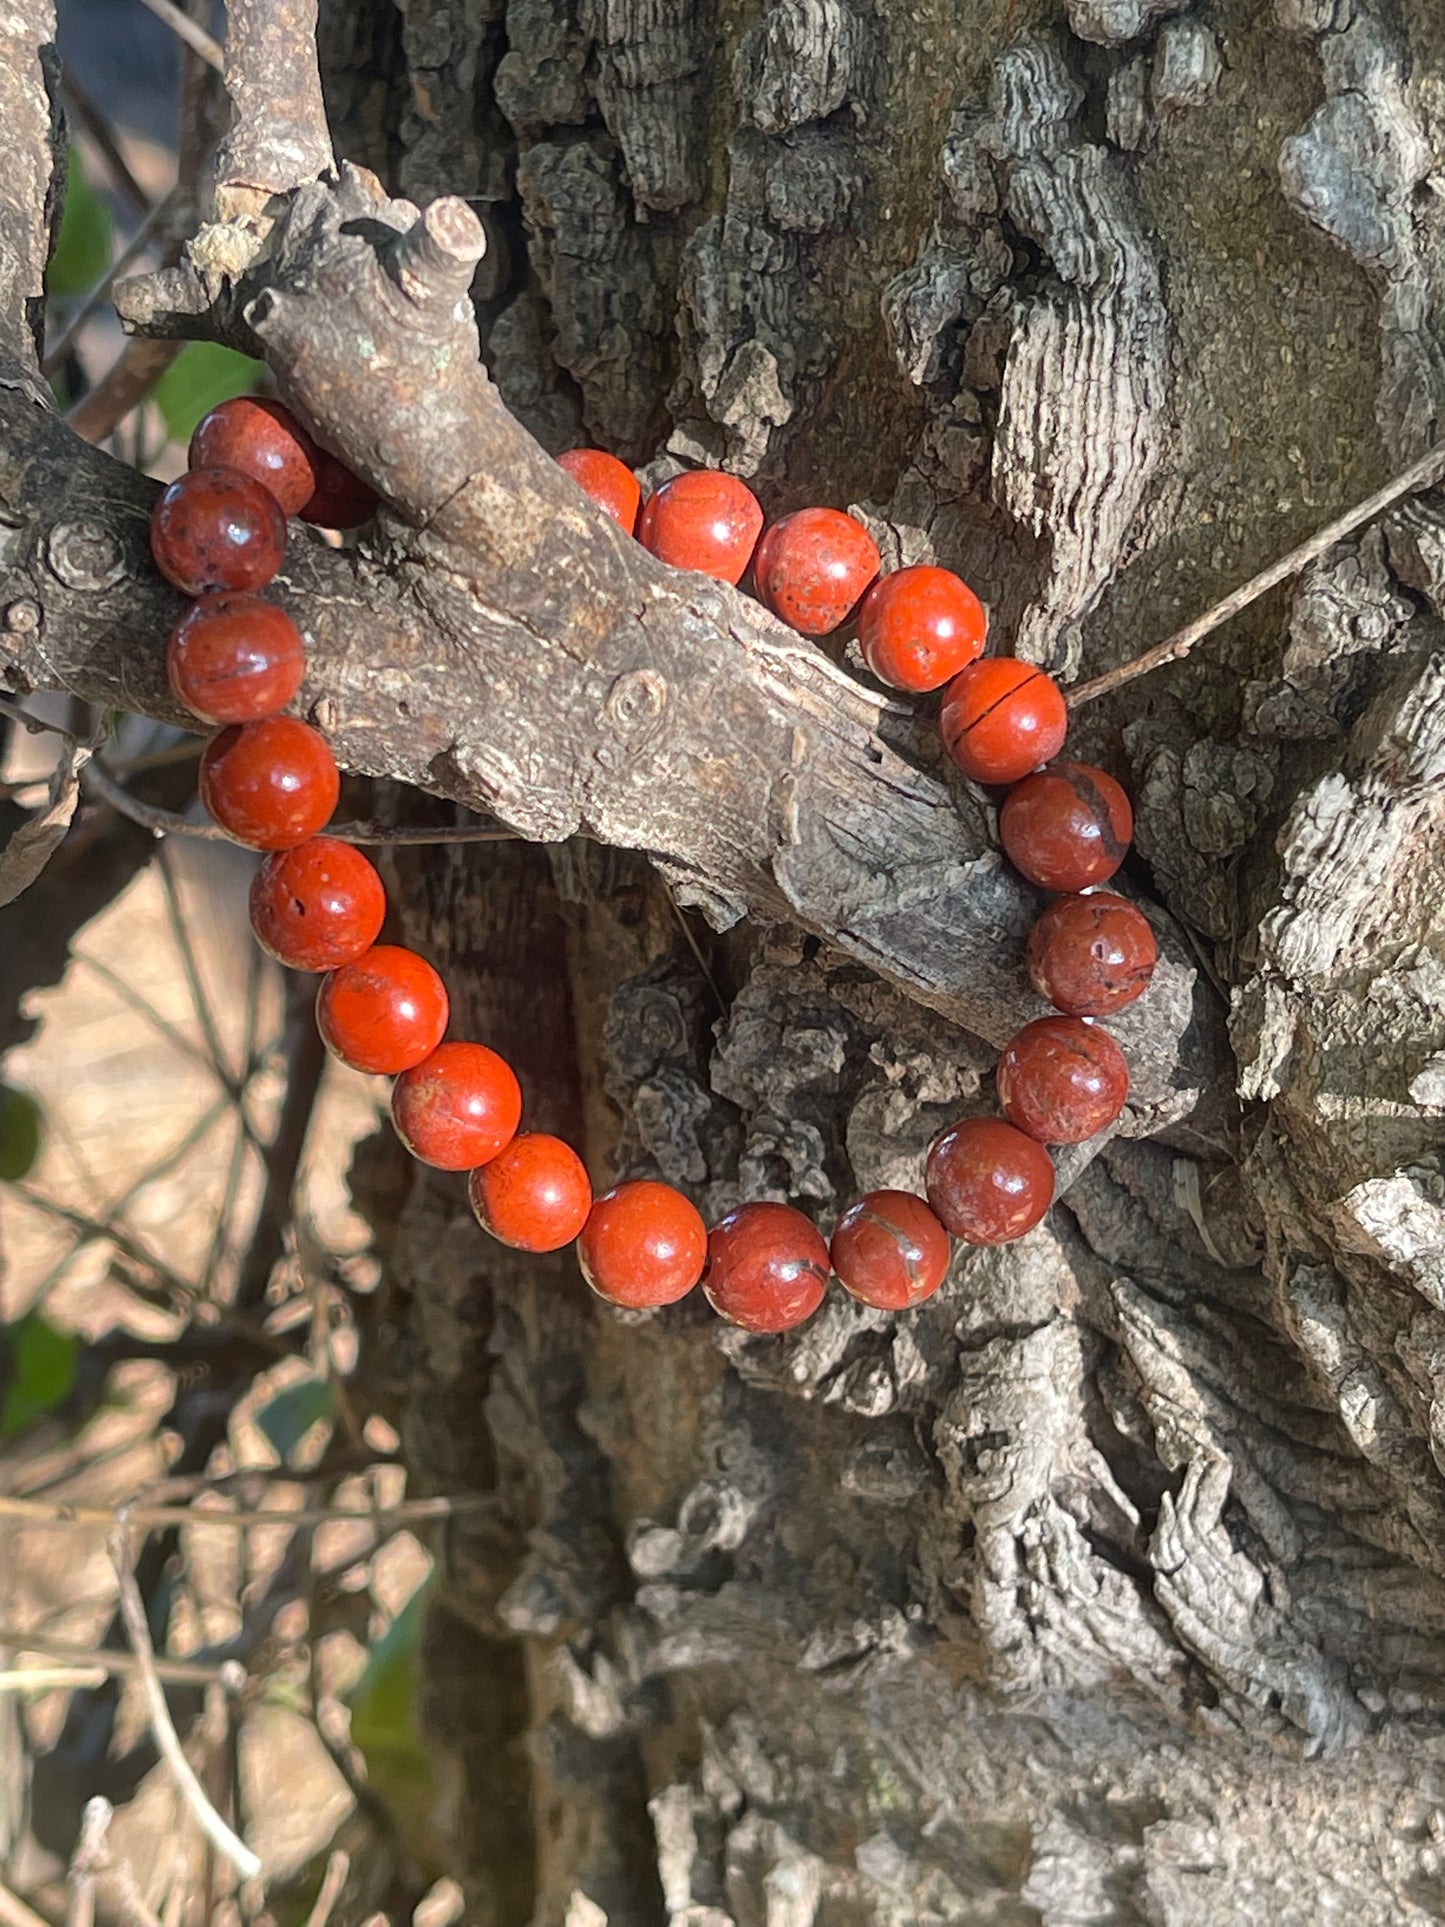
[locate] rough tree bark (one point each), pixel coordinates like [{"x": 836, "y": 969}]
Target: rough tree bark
[{"x": 1108, "y": 1586}]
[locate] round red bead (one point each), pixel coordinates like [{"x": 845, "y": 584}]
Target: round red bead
[
  {"x": 269, "y": 784},
  {"x": 340, "y": 499},
  {"x": 235, "y": 658},
  {"x": 1061, "y": 1080},
  {"x": 263, "y": 440},
  {"x": 890, "y": 1251},
  {"x": 458, "y": 1108},
  {"x": 384, "y": 1012},
  {"x": 1066, "y": 827},
  {"x": 1001, "y": 718},
  {"x": 318, "y": 906},
  {"x": 1090, "y": 955},
  {"x": 643, "y": 1244},
  {"x": 215, "y": 528},
  {"x": 987, "y": 1182},
  {"x": 703, "y": 520},
  {"x": 610, "y": 483},
  {"x": 812, "y": 566},
  {"x": 534, "y": 1195},
  {"x": 767, "y": 1267},
  {"x": 918, "y": 627}
]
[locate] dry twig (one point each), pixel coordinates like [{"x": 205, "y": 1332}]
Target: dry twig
[
  {"x": 15, "y": 1913},
  {"x": 133, "y": 1612},
  {"x": 337, "y": 1868},
  {"x": 184, "y": 28},
  {"x": 1419, "y": 475},
  {"x": 57, "y": 1512}
]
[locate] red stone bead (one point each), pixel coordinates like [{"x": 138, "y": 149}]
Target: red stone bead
[
  {"x": 1066, "y": 827},
  {"x": 643, "y": 1244},
  {"x": 611, "y": 484},
  {"x": 1090, "y": 955},
  {"x": 890, "y": 1251},
  {"x": 1061, "y": 1080},
  {"x": 812, "y": 566},
  {"x": 270, "y": 784},
  {"x": 384, "y": 1012},
  {"x": 215, "y": 528},
  {"x": 987, "y": 1181},
  {"x": 263, "y": 440},
  {"x": 458, "y": 1108},
  {"x": 235, "y": 658},
  {"x": 918, "y": 627},
  {"x": 1001, "y": 718},
  {"x": 318, "y": 906},
  {"x": 534, "y": 1195},
  {"x": 767, "y": 1267},
  {"x": 703, "y": 520},
  {"x": 340, "y": 499}
]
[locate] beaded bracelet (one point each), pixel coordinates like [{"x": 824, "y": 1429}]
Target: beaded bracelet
[{"x": 270, "y": 782}]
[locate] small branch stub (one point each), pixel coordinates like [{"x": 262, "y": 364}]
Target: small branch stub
[{"x": 437, "y": 256}]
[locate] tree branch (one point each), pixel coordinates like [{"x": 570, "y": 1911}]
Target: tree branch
[
  {"x": 279, "y": 137},
  {"x": 510, "y": 648}
]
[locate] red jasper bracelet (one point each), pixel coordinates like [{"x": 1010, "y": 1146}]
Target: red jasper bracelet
[{"x": 271, "y": 782}]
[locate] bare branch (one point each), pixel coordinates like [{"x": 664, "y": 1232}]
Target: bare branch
[
  {"x": 132, "y": 1609},
  {"x": 122, "y": 387},
  {"x": 279, "y": 137},
  {"x": 184, "y": 28},
  {"x": 14, "y": 1912},
  {"x": 27, "y": 190},
  {"x": 1419, "y": 475},
  {"x": 337, "y": 1869},
  {"x": 58, "y": 1512},
  {"x": 90, "y": 1659}
]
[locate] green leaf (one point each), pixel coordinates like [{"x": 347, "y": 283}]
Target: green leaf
[
  {"x": 202, "y": 374},
  {"x": 384, "y": 1725},
  {"x": 83, "y": 245},
  {"x": 41, "y": 1371},
  {"x": 19, "y": 1132},
  {"x": 287, "y": 1418}
]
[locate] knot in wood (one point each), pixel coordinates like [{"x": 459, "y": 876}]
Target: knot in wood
[
  {"x": 633, "y": 709},
  {"x": 85, "y": 555},
  {"x": 22, "y": 617}
]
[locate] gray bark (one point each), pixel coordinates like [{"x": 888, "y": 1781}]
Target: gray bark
[{"x": 1107, "y": 1586}]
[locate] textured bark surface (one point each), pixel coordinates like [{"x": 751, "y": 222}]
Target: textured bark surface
[{"x": 1107, "y": 1586}]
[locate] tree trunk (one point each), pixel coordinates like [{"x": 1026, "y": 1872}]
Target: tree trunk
[{"x": 1107, "y": 1585}]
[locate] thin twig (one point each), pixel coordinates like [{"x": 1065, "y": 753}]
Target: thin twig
[
  {"x": 195, "y": 37},
  {"x": 32, "y": 725},
  {"x": 133, "y": 1612},
  {"x": 85, "y": 1862},
  {"x": 191, "y": 969},
  {"x": 137, "y": 244},
  {"x": 56, "y": 1512},
  {"x": 171, "y": 823},
  {"x": 45, "y": 1679},
  {"x": 123, "y": 386},
  {"x": 337, "y": 1868},
  {"x": 1421, "y": 474},
  {"x": 14, "y": 1912},
  {"x": 85, "y": 1659},
  {"x": 99, "y": 129}
]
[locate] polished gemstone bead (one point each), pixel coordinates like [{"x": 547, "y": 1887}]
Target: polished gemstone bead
[
  {"x": 534, "y": 1195},
  {"x": 317, "y": 906},
  {"x": 458, "y": 1108},
  {"x": 918, "y": 627},
  {"x": 1066, "y": 827},
  {"x": 643, "y": 1244},
  {"x": 1001, "y": 718},
  {"x": 269, "y": 784},
  {"x": 890, "y": 1251},
  {"x": 767, "y": 1267},
  {"x": 340, "y": 499},
  {"x": 610, "y": 483},
  {"x": 703, "y": 520},
  {"x": 233, "y": 658},
  {"x": 216, "y": 528},
  {"x": 1091, "y": 954},
  {"x": 263, "y": 440},
  {"x": 987, "y": 1182},
  {"x": 1062, "y": 1080},
  {"x": 384, "y": 1012},
  {"x": 811, "y": 567}
]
